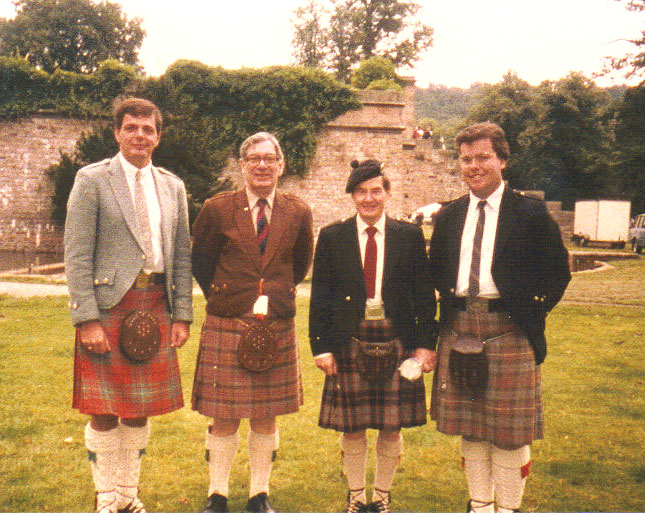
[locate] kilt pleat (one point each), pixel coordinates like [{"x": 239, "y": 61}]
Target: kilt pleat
[
  {"x": 350, "y": 403},
  {"x": 510, "y": 412},
  {"x": 112, "y": 384},
  {"x": 223, "y": 389}
]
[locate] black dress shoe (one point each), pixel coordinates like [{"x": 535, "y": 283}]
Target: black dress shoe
[
  {"x": 259, "y": 504},
  {"x": 216, "y": 504}
]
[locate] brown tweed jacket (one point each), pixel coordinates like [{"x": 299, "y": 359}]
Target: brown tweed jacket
[{"x": 226, "y": 257}]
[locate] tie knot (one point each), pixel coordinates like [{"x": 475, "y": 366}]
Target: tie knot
[
  {"x": 371, "y": 231},
  {"x": 481, "y": 204},
  {"x": 263, "y": 202}
]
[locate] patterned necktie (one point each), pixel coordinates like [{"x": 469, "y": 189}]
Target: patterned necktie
[
  {"x": 143, "y": 219},
  {"x": 262, "y": 225},
  {"x": 369, "y": 266},
  {"x": 475, "y": 264}
]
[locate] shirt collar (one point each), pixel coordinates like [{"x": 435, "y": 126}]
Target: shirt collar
[
  {"x": 253, "y": 199},
  {"x": 362, "y": 225},
  {"x": 494, "y": 200},
  {"x": 131, "y": 169}
]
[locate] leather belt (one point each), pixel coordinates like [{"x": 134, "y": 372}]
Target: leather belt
[
  {"x": 476, "y": 304},
  {"x": 145, "y": 280}
]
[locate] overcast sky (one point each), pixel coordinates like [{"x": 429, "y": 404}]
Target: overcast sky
[{"x": 474, "y": 41}]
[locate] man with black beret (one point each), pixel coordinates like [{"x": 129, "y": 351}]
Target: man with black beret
[{"x": 372, "y": 332}]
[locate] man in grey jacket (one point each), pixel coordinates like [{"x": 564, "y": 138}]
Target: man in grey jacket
[{"x": 127, "y": 249}]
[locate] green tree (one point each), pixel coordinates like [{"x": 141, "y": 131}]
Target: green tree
[
  {"x": 310, "y": 35},
  {"x": 632, "y": 63},
  {"x": 360, "y": 29},
  {"x": 567, "y": 147},
  {"x": 371, "y": 70},
  {"x": 72, "y": 35},
  {"x": 628, "y": 163}
]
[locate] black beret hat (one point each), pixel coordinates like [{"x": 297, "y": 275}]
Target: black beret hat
[{"x": 362, "y": 171}]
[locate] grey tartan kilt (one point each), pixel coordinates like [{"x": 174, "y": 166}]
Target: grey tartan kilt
[
  {"x": 350, "y": 403},
  {"x": 510, "y": 412},
  {"x": 223, "y": 389}
]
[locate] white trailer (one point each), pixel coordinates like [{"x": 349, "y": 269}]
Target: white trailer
[{"x": 601, "y": 221}]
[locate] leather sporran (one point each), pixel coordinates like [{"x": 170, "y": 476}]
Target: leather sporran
[
  {"x": 258, "y": 347},
  {"x": 468, "y": 365},
  {"x": 376, "y": 361},
  {"x": 140, "y": 336}
]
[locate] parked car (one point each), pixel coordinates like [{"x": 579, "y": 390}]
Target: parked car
[{"x": 637, "y": 233}]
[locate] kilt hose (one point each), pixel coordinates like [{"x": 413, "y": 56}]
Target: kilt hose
[
  {"x": 223, "y": 389},
  {"x": 510, "y": 413},
  {"x": 350, "y": 403},
  {"x": 111, "y": 383}
]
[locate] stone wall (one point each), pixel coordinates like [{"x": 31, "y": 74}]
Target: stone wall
[{"x": 27, "y": 148}]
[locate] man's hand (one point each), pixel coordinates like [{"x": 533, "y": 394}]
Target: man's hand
[
  {"x": 327, "y": 364},
  {"x": 179, "y": 333},
  {"x": 93, "y": 337},
  {"x": 427, "y": 358}
]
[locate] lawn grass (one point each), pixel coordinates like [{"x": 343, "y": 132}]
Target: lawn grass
[{"x": 592, "y": 458}]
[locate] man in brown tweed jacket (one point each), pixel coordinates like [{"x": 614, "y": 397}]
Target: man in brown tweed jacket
[{"x": 251, "y": 247}]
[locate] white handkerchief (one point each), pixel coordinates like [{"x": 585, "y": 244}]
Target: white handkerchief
[{"x": 411, "y": 369}]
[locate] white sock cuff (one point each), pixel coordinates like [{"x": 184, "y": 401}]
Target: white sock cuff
[
  {"x": 478, "y": 451},
  {"x": 217, "y": 442},
  {"x": 515, "y": 458},
  {"x": 389, "y": 448},
  {"x": 259, "y": 441},
  {"x": 101, "y": 441},
  {"x": 353, "y": 445},
  {"x": 135, "y": 437}
]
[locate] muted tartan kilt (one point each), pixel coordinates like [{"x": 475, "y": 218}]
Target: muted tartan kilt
[
  {"x": 223, "y": 389},
  {"x": 350, "y": 403},
  {"x": 510, "y": 413},
  {"x": 115, "y": 385}
]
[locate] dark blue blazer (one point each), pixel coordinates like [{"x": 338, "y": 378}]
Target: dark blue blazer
[
  {"x": 338, "y": 288},
  {"x": 530, "y": 263}
]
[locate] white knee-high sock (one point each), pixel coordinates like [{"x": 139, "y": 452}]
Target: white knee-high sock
[
  {"x": 476, "y": 459},
  {"x": 261, "y": 453},
  {"x": 354, "y": 453},
  {"x": 133, "y": 443},
  {"x": 388, "y": 454},
  {"x": 510, "y": 470},
  {"x": 220, "y": 452},
  {"x": 103, "y": 450}
]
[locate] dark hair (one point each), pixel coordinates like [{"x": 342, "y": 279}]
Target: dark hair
[
  {"x": 137, "y": 107},
  {"x": 486, "y": 130}
]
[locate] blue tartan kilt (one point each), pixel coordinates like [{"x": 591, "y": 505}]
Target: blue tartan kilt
[{"x": 350, "y": 403}]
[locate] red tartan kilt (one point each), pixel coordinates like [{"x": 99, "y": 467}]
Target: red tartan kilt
[
  {"x": 350, "y": 403},
  {"x": 115, "y": 385},
  {"x": 510, "y": 412},
  {"x": 223, "y": 389}
]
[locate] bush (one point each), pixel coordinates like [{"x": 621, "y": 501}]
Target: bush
[{"x": 373, "y": 69}]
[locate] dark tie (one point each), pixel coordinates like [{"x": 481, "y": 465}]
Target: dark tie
[
  {"x": 475, "y": 264},
  {"x": 369, "y": 266},
  {"x": 262, "y": 225},
  {"x": 143, "y": 218}
]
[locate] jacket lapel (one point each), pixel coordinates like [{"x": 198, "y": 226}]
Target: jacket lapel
[
  {"x": 505, "y": 221},
  {"x": 391, "y": 250},
  {"x": 123, "y": 197},
  {"x": 279, "y": 222},
  {"x": 167, "y": 206},
  {"x": 454, "y": 242},
  {"x": 352, "y": 251},
  {"x": 244, "y": 223}
]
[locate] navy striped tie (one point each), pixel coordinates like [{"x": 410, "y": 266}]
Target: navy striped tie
[{"x": 263, "y": 225}]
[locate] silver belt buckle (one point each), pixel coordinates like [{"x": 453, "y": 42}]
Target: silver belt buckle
[
  {"x": 142, "y": 280},
  {"x": 476, "y": 305}
]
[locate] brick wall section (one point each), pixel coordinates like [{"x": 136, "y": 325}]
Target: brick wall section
[{"x": 27, "y": 148}]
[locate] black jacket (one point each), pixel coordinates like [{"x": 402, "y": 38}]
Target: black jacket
[
  {"x": 530, "y": 263},
  {"x": 338, "y": 288}
]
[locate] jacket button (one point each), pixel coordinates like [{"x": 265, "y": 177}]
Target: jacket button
[
  {"x": 96, "y": 282},
  {"x": 105, "y": 280},
  {"x": 224, "y": 286},
  {"x": 536, "y": 298},
  {"x": 452, "y": 291},
  {"x": 348, "y": 298}
]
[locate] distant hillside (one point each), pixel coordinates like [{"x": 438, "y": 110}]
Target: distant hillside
[{"x": 443, "y": 103}]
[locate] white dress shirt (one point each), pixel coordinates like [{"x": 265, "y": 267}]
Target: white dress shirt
[
  {"x": 487, "y": 286},
  {"x": 379, "y": 237},
  {"x": 154, "y": 210},
  {"x": 255, "y": 208}
]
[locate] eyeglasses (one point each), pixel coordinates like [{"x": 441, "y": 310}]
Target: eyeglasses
[
  {"x": 480, "y": 158},
  {"x": 269, "y": 160}
]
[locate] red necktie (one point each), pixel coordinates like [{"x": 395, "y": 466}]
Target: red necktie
[{"x": 369, "y": 266}]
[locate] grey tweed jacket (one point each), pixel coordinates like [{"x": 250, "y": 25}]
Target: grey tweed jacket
[{"x": 103, "y": 248}]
